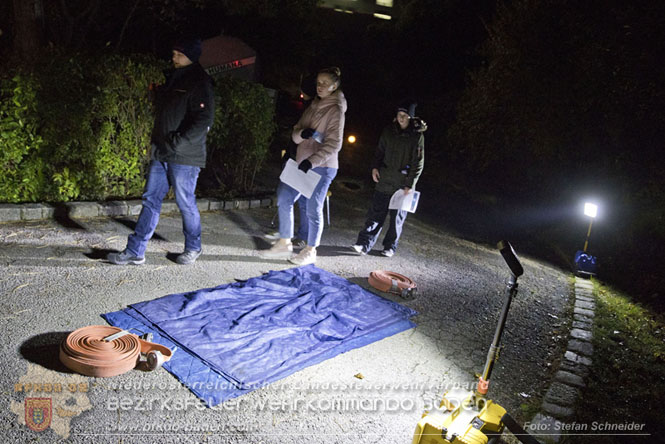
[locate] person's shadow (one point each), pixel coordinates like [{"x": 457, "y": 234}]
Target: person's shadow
[
  {"x": 131, "y": 224},
  {"x": 61, "y": 216},
  {"x": 98, "y": 253},
  {"x": 101, "y": 253},
  {"x": 334, "y": 250}
]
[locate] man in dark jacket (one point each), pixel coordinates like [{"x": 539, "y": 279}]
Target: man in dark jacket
[
  {"x": 184, "y": 114},
  {"x": 397, "y": 165}
]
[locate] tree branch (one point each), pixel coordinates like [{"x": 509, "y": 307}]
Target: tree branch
[{"x": 126, "y": 24}]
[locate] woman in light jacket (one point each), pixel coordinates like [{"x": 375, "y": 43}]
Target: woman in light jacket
[{"x": 319, "y": 136}]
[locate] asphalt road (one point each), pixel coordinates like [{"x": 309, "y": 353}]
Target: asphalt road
[{"x": 54, "y": 279}]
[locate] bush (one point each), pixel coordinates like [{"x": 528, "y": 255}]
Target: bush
[
  {"x": 21, "y": 179},
  {"x": 97, "y": 122},
  {"x": 78, "y": 128},
  {"x": 239, "y": 139}
]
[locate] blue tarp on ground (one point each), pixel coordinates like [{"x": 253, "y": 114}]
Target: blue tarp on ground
[{"x": 237, "y": 337}]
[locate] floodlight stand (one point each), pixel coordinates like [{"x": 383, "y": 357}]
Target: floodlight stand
[{"x": 588, "y": 233}]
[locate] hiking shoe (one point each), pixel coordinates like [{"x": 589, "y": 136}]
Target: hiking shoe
[
  {"x": 277, "y": 251},
  {"x": 125, "y": 258},
  {"x": 359, "y": 249},
  {"x": 305, "y": 257},
  {"x": 188, "y": 257},
  {"x": 389, "y": 252}
]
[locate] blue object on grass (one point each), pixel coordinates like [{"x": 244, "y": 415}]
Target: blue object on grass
[
  {"x": 585, "y": 263},
  {"x": 238, "y": 337}
]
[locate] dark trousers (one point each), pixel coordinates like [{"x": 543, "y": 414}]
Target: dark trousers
[{"x": 376, "y": 216}]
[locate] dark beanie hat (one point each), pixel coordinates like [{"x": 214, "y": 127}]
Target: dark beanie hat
[
  {"x": 409, "y": 107},
  {"x": 190, "y": 47}
]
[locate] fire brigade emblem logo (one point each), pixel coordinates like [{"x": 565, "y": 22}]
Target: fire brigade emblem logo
[{"x": 38, "y": 413}]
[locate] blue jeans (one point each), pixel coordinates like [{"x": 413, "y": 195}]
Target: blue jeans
[
  {"x": 161, "y": 177},
  {"x": 302, "y": 219},
  {"x": 286, "y": 196}
]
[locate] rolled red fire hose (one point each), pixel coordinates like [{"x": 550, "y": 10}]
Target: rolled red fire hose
[
  {"x": 392, "y": 282},
  {"x": 85, "y": 351}
]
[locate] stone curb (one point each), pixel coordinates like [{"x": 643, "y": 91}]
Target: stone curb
[
  {"x": 549, "y": 425},
  {"x": 85, "y": 210}
]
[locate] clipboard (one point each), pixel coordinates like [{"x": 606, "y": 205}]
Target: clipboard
[{"x": 302, "y": 182}]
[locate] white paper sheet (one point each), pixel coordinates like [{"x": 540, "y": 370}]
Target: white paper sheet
[
  {"x": 295, "y": 178},
  {"x": 401, "y": 201}
]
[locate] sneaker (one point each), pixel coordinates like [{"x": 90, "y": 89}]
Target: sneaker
[
  {"x": 277, "y": 251},
  {"x": 305, "y": 257},
  {"x": 273, "y": 236},
  {"x": 359, "y": 249},
  {"x": 124, "y": 258},
  {"x": 188, "y": 257},
  {"x": 389, "y": 252},
  {"x": 298, "y": 243}
]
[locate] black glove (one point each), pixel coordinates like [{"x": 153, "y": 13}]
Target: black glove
[
  {"x": 305, "y": 166},
  {"x": 307, "y": 133}
]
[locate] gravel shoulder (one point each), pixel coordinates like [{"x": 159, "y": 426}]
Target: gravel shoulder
[{"x": 54, "y": 279}]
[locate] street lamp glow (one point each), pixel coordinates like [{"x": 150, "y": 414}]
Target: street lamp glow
[
  {"x": 590, "y": 209},
  {"x": 351, "y": 139}
]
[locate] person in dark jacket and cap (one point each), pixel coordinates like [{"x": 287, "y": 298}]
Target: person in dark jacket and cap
[
  {"x": 184, "y": 114},
  {"x": 397, "y": 165}
]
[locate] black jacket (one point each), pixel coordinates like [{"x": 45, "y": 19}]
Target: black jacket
[
  {"x": 185, "y": 107},
  {"x": 400, "y": 156}
]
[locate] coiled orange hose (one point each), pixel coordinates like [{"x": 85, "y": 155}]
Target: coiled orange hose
[{"x": 86, "y": 352}]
